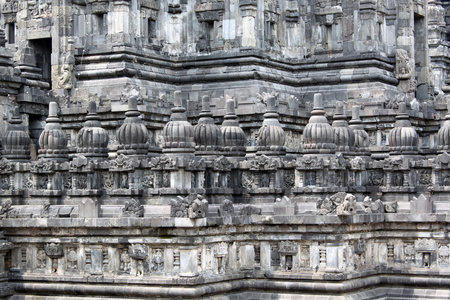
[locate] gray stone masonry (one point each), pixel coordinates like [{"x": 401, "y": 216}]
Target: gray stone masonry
[{"x": 224, "y": 149}]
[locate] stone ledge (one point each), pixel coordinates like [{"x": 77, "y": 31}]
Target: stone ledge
[
  {"x": 161, "y": 221},
  {"x": 125, "y": 192},
  {"x": 202, "y": 290},
  {"x": 84, "y": 193},
  {"x": 11, "y": 193},
  {"x": 47, "y": 193},
  {"x": 318, "y": 190}
]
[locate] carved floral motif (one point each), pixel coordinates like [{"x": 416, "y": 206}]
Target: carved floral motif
[
  {"x": 288, "y": 247},
  {"x": 189, "y": 207},
  {"x": 263, "y": 163},
  {"x": 226, "y": 209},
  {"x": 122, "y": 163},
  {"x": 138, "y": 251},
  {"x": 133, "y": 208},
  {"x": 54, "y": 250},
  {"x": 340, "y": 204},
  {"x": 222, "y": 164},
  {"x": 309, "y": 163}
]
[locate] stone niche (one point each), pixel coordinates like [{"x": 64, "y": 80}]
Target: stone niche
[
  {"x": 210, "y": 17},
  {"x": 150, "y": 23},
  {"x": 329, "y": 27}
]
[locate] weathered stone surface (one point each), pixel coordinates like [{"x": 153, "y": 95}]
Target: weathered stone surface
[{"x": 157, "y": 200}]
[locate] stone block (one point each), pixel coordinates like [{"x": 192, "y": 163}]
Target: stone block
[
  {"x": 188, "y": 262},
  {"x": 88, "y": 208},
  {"x": 423, "y": 204}
]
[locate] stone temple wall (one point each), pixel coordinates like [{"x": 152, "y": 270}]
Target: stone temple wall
[
  {"x": 372, "y": 52},
  {"x": 207, "y": 217},
  {"x": 235, "y": 149}
]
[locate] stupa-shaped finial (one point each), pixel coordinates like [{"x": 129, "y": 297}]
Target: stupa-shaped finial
[{"x": 53, "y": 140}]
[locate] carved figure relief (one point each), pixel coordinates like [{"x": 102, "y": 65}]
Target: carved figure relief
[
  {"x": 289, "y": 179},
  {"x": 149, "y": 180},
  {"x": 410, "y": 254},
  {"x": 443, "y": 255},
  {"x": 41, "y": 259},
  {"x": 264, "y": 180},
  {"x": 247, "y": 180},
  {"x": 125, "y": 261},
  {"x": 263, "y": 163},
  {"x": 305, "y": 256},
  {"x": 5, "y": 209},
  {"x": 28, "y": 181},
  {"x": 158, "y": 260},
  {"x": 403, "y": 64},
  {"x": 425, "y": 177},
  {"x": 221, "y": 255},
  {"x": 309, "y": 163},
  {"x": 72, "y": 259},
  {"x": 65, "y": 77},
  {"x": 108, "y": 180},
  {"x": 347, "y": 207}
]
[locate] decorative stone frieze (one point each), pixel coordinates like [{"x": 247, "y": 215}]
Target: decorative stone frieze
[
  {"x": 209, "y": 11},
  {"x": 340, "y": 203},
  {"x": 240, "y": 210},
  {"x": 133, "y": 208},
  {"x": 226, "y": 209}
]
